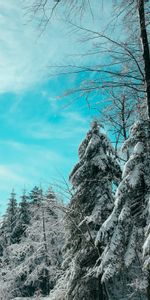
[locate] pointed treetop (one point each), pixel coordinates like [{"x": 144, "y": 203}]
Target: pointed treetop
[
  {"x": 12, "y": 194},
  {"x": 24, "y": 196},
  {"x": 96, "y": 125}
]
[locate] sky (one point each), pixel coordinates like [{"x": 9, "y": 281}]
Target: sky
[{"x": 40, "y": 131}]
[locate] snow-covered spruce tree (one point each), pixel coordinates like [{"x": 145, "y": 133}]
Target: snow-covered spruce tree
[
  {"x": 23, "y": 218},
  {"x": 146, "y": 246},
  {"x": 92, "y": 179},
  {"x": 146, "y": 252},
  {"x": 7, "y": 237},
  {"x": 10, "y": 219},
  {"x": 35, "y": 195},
  {"x": 125, "y": 228}
]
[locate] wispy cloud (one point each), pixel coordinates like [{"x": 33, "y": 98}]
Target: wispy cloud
[
  {"x": 24, "y": 57},
  {"x": 70, "y": 125},
  {"x": 22, "y": 63},
  {"x": 9, "y": 174}
]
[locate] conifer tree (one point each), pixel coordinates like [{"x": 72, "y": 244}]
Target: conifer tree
[
  {"x": 92, "y": 202},
  {"x": 24, "y": 210},
  {"x": 10, "y": 219},
  {"x": 36, "y": 195},
  {"x": 24, "y": 217},
  {"x": 146, "y": 252}
]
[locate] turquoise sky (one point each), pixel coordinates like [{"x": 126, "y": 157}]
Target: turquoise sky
[{"x": 39, "y": 131}]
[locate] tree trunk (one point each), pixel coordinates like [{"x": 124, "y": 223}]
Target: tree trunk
[
  {"x": 45, "y": 284},
  {"x": 148, "y": 292},
  {"x": 146, "y": 52},
  {"x": 45, "y": 239},
  {"x": 146, "y": 59},
  {"x": 148, "y": 288}
]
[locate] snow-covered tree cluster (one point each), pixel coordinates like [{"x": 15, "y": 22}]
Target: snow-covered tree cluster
[
  {"x": 106, "y": 253},
  {"x": 31, "y": 237},
  {"x": 95, "y": 247}
]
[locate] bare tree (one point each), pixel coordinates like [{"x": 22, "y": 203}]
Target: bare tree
[
  {"x": 138, "y": 12},
  {"x": 118, "y": 116}
]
